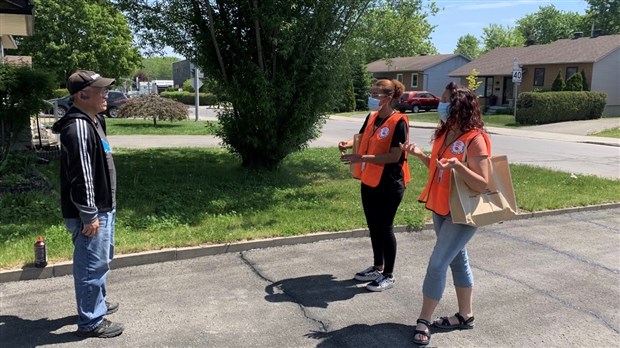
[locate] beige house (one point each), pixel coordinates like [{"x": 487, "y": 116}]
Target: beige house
[
  {"x": 420, "y": 73},
  {"x": 16, "y": 19},
  {"x": 597, "y": 56}
]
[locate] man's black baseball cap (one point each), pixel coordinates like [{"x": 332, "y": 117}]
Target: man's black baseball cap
[{"x": 84, "y": 78}]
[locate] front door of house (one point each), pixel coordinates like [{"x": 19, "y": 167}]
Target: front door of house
[{"x": 508, "y": 89}]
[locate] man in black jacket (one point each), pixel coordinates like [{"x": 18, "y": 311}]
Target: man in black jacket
[{"x": 88, "y": 199}]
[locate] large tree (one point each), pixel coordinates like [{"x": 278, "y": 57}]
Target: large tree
[
  {"x": 497, "y": 35},
  {"x": 549, "y": 24},
  {"x": 158, "y": 68},
  {"x": 468, "y": 46},
  {"x": 604, "y": 15},
  {"x": 393, "y": 29},
  {"x": 80, "y": 34},
  {"x": 278, "y": 62}
]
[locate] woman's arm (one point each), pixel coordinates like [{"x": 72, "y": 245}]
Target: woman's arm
[
  {"x": 475, "y": 173},
  {"x": 417, "y": 152}
]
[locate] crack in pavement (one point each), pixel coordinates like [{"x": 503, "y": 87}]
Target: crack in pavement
[
  {"x": 323, "y": 326},
  {"x": 550, "y": 295},
  {"x": 550, "y": 248}
]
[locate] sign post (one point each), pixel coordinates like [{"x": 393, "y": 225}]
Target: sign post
[
  {"x": 517, "y": 74},
  {"x": 197, "y": 85}
]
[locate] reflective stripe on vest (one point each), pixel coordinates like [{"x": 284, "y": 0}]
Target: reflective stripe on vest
[
  {"x": 375, "y": 142},
  {"x": 436, "y": 194}
]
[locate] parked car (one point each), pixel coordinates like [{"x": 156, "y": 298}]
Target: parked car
[
  {"x": 115, "y": 100},
  {"x": 416, "y": 101}
]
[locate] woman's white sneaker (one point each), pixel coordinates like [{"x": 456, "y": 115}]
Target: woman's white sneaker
[
  {"x": 369, "y": 274},
  {"x": 381, "y": 283}
]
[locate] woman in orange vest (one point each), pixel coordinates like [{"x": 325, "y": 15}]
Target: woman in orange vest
[
  {"x": 382, "y": 168},
  {"x": 460, "y": 132}
]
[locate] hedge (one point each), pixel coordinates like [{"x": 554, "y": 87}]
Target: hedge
[
  {"x": 542, "y": 108},
  {"x": 190, "y": 98}
]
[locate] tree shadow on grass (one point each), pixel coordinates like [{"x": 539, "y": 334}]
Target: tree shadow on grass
[{"x": 147, "y": 125}]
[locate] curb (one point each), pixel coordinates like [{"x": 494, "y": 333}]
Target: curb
[{"x": 175, "y": 254}]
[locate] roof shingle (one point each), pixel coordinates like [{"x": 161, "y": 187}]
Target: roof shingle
[
  {"x": 418, "y": 63},
  {"x": 582, "y": 50}
]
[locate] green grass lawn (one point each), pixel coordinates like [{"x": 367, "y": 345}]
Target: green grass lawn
[
  {"x": 116, "y": 126},
  {"x": 185, "y": 197},
  {"x": 433, "y": 117},
  {"x": 609, "y": 133}
]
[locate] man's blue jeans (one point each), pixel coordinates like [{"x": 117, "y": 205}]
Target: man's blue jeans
[{"x": 91, "y": 263}]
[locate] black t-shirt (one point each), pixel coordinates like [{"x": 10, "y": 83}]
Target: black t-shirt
[
  {"x": 392, "y": 176},
  {"x": 108, "y": 155}
]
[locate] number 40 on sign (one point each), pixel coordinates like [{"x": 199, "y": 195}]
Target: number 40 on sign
[{"x": 516, "y": 75}]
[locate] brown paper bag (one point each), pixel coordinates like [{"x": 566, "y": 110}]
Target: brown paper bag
[
  {"x": 496, "y": 204},
  {"x": 356, "y": 145}
]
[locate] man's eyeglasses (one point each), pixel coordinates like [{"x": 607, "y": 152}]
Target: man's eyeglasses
[{"x": 103, "y": 92}]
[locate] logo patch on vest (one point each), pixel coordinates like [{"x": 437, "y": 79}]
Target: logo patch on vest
[
  {"x": 384, "y": 132},
  {"x": 458, "y": 147}
]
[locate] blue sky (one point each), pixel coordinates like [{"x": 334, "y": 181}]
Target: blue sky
[{"x": 460, "y": 17}]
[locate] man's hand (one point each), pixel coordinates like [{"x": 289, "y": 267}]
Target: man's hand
[{"x": 90, "y": 230}]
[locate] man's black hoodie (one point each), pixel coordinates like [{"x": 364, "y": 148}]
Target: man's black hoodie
[{"x": 85, "y": 186}]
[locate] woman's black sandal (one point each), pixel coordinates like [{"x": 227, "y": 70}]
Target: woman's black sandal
[
  {"x": 426, "y": 333},
  {"x": 462, "y": 324}
]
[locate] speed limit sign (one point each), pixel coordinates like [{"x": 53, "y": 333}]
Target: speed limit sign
[{"x": 516, "y": 75}]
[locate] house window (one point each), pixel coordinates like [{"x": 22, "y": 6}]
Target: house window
[
  {"x": 539, "y": 77},
  {"x": 399, "y": 77},
  {"x": 414, "y": 80},
  {"x": 570, "y": 70}
]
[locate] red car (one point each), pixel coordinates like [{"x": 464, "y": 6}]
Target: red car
[{"x": 416, "y": 101}]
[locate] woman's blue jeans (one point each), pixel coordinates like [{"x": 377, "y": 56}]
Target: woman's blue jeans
[
  {"x": 91, "y": 263},
  {"x": 450, "y": 251}
]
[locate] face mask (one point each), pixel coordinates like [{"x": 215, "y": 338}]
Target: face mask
[
  {"x": 373, "y": 104},
  {"x": 443, "y": 109}
]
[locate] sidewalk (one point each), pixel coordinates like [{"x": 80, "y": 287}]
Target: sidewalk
[{"x": 549, "y": 281}]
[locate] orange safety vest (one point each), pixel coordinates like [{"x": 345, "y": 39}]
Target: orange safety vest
[
  {"x": 376, "y": 142},
  {"x": 436, "y": 194}
]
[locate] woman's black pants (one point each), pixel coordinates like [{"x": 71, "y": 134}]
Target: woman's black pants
[{"x": 380, "y": 208}]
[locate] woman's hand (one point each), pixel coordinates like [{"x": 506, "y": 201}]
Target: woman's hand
[
  {"x": 351, "y": 158},
  {"x": 412, "y": 149},
  {"x": 449, "y": 163},
  {"x": 343, "y": 146}
]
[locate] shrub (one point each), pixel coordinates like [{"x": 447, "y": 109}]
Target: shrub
[
  {"x": 22, "y": 91},
  {"x": 542, "y": 108},
  {"x": 558, "y": 83},
  {"x": 504, "y": 111},
  {"x": 574, "y": 83},
  {"x": 60, "y": 92},
  {"x": 152, "y": 106},
  {"x": 189, "y": 98}
]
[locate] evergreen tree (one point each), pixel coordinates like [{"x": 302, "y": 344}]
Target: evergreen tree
[
  {"x": 574, "y": 83},
  {"x": 585, "y": 86},
  {"x": 361, "y": 86},
  {"x": 558, "y": 83}
]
